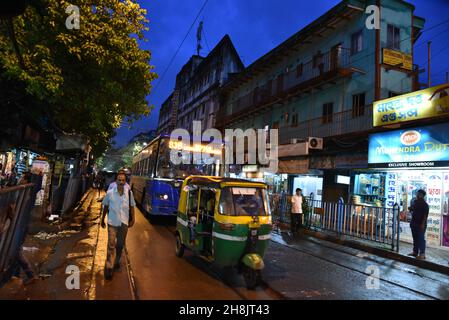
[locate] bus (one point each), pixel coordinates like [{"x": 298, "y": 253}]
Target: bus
[{"x": 156, "y": 181}]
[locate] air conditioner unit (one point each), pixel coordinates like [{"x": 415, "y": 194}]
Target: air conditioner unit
[{"x": 315, "y": 143}]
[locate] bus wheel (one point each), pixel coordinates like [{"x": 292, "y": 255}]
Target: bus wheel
[{"x": 179, "y": 246}]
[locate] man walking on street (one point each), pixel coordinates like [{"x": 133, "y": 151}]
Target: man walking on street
[
  {"x": 420, "y": 211},
  {"x": 296, "y": 214},
  {"x": 119, "y": 206}
]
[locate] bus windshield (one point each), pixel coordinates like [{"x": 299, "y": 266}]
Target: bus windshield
[
  {"x": 241, "y": 201},
  {"x": 167, "y": 169}
]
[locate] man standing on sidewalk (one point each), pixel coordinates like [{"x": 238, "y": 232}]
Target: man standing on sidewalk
[
  {"x": 119, "y": 205},
  {"x": 296, "y": 214},
  {"x": 420, "y": 211}
]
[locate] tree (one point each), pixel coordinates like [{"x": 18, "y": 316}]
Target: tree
[{"x": 84, "y": 80}]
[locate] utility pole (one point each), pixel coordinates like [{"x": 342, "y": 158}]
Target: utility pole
[
  {"x": 428, "y": 63},
  {"x": 447, "y": 77}
]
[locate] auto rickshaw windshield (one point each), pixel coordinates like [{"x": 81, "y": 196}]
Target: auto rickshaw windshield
[{"x": 242, "y": 201}]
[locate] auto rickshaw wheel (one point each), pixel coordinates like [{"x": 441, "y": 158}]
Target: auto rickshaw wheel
[
  {"x": 252, "y": 277},
  {"x": 179, "y": 246}
]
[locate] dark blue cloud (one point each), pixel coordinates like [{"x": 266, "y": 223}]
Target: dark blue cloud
[{"x": 255, "y": 27}]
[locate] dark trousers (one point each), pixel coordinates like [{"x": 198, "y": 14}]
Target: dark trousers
[
  {"x": 296, "y": 221},
  {"x": 116, "y": 242},
  {"x": 22, "y": 263},
  {"x": 419, "y": 239}
]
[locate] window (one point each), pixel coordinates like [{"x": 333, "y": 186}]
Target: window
[
  {"x": 392, "y": 94},
  {"x": 299, "y": 69},
  {"x": 295, "y": 120},
  {"x": 317, "y": 59},
  {"x": 358, "y": 105},
  {"x": 356, "y": 42},
  {"x": 236, "y": 201},
  {"x": 280, "y": 83},
  {"x": 328, "y": 110},
  {"x": 393, "y": 36}
]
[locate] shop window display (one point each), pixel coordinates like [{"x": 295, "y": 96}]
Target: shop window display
[{"x": 385, "y": 189}]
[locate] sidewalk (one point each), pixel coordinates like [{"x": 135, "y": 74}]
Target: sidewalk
[
  {"x": 78, "y": 242},
  {"x": 436, "y": 259}
]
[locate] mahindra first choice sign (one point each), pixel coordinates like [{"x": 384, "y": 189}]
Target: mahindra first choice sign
[{"x": 418, "y": 147}]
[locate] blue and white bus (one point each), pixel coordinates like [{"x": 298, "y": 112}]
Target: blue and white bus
[{"x": 156, "y": 181}]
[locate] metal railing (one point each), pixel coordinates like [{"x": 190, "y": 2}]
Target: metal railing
[
  {"x": 16, "y": 204},
  {"x": 338, "y": 124},
  {"x": 317, "y": 67},
  {"x": 376, "y": 224}
]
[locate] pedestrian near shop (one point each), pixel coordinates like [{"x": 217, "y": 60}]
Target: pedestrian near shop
[
  {"x": 119, "y": 205},
  {"x": 99, "y": 183},
  {"x": 296, "y": 211},
  {"x": 22, "y": 166},
  {"x": 418, "y": 225}
]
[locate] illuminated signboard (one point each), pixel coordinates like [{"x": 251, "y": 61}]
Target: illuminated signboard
[
  {"x": 421, "y": 147},
  {"x": 197, "y": 147},
  {"x": 343, "y": 179},
  {"x": 397, "y": 58},
  {"x": 427, "y": 103}
]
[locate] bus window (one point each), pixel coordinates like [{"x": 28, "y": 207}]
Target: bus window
[{"x": 152, "y": 159}]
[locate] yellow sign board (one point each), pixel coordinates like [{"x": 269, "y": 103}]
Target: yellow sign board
[
  {"x": 399, "y": 59},
  {"x": 206, "y": 149},
  {"x": 428, "y": 103}
]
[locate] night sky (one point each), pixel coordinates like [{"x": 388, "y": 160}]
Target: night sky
[{"x": 255, "y": 27}]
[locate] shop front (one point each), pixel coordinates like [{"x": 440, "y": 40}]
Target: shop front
[{"x": 400, "y": 163}]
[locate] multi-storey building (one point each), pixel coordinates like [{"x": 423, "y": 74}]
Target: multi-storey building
[
  {"x": 196, "y": 93},
  {"x": 321, "y": 83}
]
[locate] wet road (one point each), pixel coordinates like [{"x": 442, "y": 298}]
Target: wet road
[
  {"x": 160, "y": 274},
  {"x": 315, "y": 269},
  {"x": 304, "y": 269}
]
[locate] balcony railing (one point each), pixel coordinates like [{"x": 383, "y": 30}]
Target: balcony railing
[
  {"x": 319, "y": 66},
  {"x": 339, "y": 124}
]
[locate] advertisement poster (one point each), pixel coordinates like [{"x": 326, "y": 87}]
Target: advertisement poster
[
  {"x": 391, "y": 186},
  {"x": 445, "y": 219},
  {"x": 419, "y": 147},
  {"x": 41, "y": 166},
  {"x": 434, "y": 200},
  {"x": 422, "y": 104}
]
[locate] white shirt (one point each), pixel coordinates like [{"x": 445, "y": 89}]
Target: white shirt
[
  {"x": 296, "y": 204},
  {"x": 118, "y": 206}
]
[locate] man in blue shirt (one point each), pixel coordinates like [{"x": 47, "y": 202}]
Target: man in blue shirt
[
  {"x": 119, "y": 206},
  {"x": 420, "y": 212}
]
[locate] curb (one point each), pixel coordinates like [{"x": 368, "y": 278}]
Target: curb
[{"x": 380, "y": 252}]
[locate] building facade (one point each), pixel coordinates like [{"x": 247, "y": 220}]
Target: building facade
[
  {"x": 317, "y": 88},
  {"x": 196, "y": 93}
]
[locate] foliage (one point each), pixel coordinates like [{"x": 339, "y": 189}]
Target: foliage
[{"x": 84, "y": 80}]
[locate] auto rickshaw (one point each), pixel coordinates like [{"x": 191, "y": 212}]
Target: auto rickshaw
[{"x": 225, "y": 221}]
